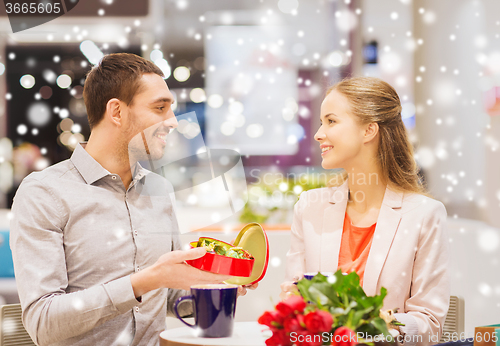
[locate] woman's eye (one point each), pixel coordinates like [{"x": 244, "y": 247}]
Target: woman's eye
[{"x": 330, "y": 121}]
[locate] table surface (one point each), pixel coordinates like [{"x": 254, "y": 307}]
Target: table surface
[{"x": 244, "y": 334}]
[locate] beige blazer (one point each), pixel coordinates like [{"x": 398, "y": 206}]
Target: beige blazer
[{"x": 408, "y": 256}]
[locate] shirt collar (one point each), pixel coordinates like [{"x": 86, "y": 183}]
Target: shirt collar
[
  {"x": 88, "y": 167},
  {"x": 139, "y": 172},
  {"x": 92, "y": 171}
]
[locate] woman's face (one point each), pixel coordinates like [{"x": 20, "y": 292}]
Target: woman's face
[{"x": 341, "y": 136}]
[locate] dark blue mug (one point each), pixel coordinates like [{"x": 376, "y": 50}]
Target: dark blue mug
[
  {"x": 214, "y": 306},
  {"x": 309, "y": 276}
]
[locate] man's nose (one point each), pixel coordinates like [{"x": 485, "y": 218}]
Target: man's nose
[{"x": 171, "y": 121}]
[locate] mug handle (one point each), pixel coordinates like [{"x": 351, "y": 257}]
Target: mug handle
[{"x": 177, "y": 302}]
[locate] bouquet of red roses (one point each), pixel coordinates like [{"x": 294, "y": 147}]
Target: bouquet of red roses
[
  {"x": 329, "y": 311},
  {"x": 294, "y": 324}
]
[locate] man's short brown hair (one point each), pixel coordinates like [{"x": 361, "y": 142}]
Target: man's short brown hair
[{"x": 116, "y": 76}]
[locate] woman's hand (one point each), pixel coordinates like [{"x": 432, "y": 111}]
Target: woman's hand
[{"x": 288, "y": 288}]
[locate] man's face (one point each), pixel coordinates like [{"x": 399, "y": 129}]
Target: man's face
[{"x": 150, "y": 119}]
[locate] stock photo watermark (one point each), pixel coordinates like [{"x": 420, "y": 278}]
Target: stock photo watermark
[
  {"x": 328, "y": 179},
  {"x": 355, "y": 338},
  {"x": 26, "y": 14}
]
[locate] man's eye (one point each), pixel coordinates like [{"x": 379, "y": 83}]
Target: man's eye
[{"x": 161, "y": 108}]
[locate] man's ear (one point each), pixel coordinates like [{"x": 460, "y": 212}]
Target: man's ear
[
  {"x": 371, "y": 131},
  {"x": 114, "y": 109}
]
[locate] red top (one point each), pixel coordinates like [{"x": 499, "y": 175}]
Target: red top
[{"x": 355, "y": 247}]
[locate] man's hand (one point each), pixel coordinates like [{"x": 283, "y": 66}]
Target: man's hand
[
  {"x": 242, "y": 290},
  {"x": 170, "y": 271}
]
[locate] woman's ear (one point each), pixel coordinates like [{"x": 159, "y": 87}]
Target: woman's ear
[
  {"x": 370, "y": 132},
  {"x": 114, "y": 112}
]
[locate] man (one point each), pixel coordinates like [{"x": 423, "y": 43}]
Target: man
[{"x": 93, "y": 237}]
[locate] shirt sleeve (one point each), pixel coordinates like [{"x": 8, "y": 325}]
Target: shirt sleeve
[
  {"x": 427, "y": 306},
  {"x": 36, "y": 239},
  {"x": 295, "y": 258},
  {"x": 185, "y": 310},
  {"x": 410, "y": 328}
]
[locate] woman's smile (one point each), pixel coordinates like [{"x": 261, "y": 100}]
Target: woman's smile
[{"x": 325, "y": 148}]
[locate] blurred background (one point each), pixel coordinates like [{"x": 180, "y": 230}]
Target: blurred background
[{"x": 255, "y": 73}]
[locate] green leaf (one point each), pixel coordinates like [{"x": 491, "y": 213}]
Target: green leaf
[
  {"x": 338, "y": 311},
  {"x": 358, "y": 316},
  {"x": 318, "y": 297},
  {"x": 397, "y": 323},
  {"x": 276, "y": 324},
  {"x": 381, "y": 326},
  {"x": 303, "y": 286},
  {"x": 368, "y": 329}
]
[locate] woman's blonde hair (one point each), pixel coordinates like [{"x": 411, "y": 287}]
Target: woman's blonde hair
[{"x": 375, "y": 101}]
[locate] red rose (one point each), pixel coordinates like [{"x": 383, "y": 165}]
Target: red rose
[
  {"x": 305, "y": 338},
  {"x": 300, "y": 319},
  {"x": 292, "y": 324},
  {"x": 279, "y": 338},
  {"x": 291, "y": 305},
  {"x": 318, "y": 321},
  {"x": 344, "y": 336},
  {"x": 270, "y": 316}
]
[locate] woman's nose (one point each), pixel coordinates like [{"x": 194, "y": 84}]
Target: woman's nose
[{"x": 319, "y": 136}]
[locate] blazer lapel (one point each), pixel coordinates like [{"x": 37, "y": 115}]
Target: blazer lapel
[
  {"x": 387, "y": 225},
  {"x": 333, "y": 224}
]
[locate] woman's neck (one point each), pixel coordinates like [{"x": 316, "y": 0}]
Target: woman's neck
[{"x": 366, "y": 189}]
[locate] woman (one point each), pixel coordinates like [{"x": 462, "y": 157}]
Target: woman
[{"x": 379, "y": 222}]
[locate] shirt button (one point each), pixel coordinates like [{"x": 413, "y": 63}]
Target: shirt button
[
  {"x": 135, "y": 233},
  {"x": 137, "y": 269},
  {"x": 136, "y": 309},
  {"x": 113, "y": 177}
]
